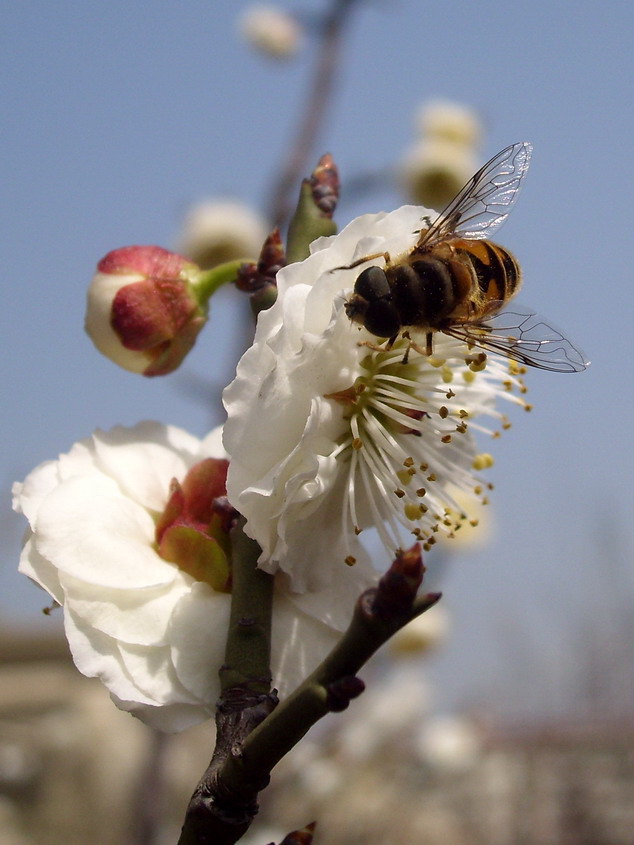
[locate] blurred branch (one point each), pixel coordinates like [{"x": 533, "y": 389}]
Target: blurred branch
[{"x": 316, "y": 102}]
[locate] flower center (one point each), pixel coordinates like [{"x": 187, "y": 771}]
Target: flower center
[{"x": 410, "y": 446}]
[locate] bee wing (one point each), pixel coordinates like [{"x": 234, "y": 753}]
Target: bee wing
[
  {"x": 485, "y": 201},
  {"x": 525, "y": 337}
]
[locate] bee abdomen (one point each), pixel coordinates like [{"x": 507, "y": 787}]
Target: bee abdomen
[
  {"x": 497, "y": 273},
  {"x": 424, "y": 291}
]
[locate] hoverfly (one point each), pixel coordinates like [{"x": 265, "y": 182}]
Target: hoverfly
[{"x": 454, "y": 280}]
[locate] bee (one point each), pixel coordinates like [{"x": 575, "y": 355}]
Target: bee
[{"x": 455, "y": 280}]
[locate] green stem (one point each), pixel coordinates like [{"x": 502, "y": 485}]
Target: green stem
[
  {"x": 210, "y": 280},
  {"x": 248, "y": 651}
]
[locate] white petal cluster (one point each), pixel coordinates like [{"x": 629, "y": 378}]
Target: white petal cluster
[
  {"x": 271, "y": 31},
  {"x": 444, "y": 155},
  {"x": 215, "y": 231},
  {"x": 328, "y": 436},
  {"x": 149, "y": 631}
]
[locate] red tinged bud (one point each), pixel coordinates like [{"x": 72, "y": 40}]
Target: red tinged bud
[
  {"x": 143, "y": 312},
  {"x": 192, "y": 531}
]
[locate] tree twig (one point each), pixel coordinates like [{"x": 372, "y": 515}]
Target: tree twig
[
  {"x": 296, "y": 160},
  {"x": 224, "y": 805}
]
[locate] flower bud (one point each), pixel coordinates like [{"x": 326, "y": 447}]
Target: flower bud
[
  {"x": 142, "y": 309},
  {"x": 192, "y": 530},
  {"x": 442, "y": 120},
  {"x": 271, "y": 31},
  {"x": 433, "y": 171},
  {"x": 216, "y": 231}
]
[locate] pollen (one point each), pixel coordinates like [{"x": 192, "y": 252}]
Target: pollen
[
  {"x": 350, "y": 560},
  {"x": 412, "y": 511},
  {"x": 446, "y": 438},
  {"x": 404, "y": 476},
  {"x": 482, "y": 461},
  {"x": 434, "y": 361},
  {"x": 443, "y": 412}
]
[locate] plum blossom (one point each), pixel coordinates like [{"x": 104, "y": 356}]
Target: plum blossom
[
  {"x": 328, "y": 435},
  {"x": 107, "y": 529}
]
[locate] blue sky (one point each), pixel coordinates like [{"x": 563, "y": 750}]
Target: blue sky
[{"x": 117, "y": 119}]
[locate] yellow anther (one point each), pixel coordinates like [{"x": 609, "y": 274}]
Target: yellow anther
[
  {"x": 412, "y": 511},
  {"x": 435, "y": 361},
  {"x": 482, "y": 461}
]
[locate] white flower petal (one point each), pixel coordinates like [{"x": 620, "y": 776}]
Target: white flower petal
[
  {"x": 39, "y": 569},
  {"x": 198, "y": 635},
  {"x": 329, "y": 434},
  {"x": 97, "y": 655},
  {"x": 153, "y": 673},
  {"x": 298, "y": 643},
  {"x": 96, "y": 535},
  {"x": 135, "y": 617},
  {"x": 145, "y": 458}
]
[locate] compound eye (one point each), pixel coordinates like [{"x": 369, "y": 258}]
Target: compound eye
[
  {"x": 382, "y": 319},
  {"x": 372, "y": 284}
]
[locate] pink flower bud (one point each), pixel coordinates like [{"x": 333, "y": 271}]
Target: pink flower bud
[{"x": 142, "y": 310}]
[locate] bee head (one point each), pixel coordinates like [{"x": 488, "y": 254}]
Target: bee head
[{"x": 371, "y": 304}]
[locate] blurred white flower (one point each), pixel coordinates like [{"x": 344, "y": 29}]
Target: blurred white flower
[
  {"x": 151, "y": 631},
  {"x": 443, "y": 120},
  {"x": 422, "y": 634},
  {"x": 385, "y": 713},
  {"x": 270, "y": 30},
  {"x": 216, "y": 231},
  {"x": 449, "y": 743},
  {"x": 434, "y": 170},
  {"x": 328, "y": 436}
]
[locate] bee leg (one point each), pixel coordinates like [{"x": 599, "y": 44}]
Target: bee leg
[
  {"x": 427, "y": 351},
  {"x": 359, "y": 261},
  {"x": 410, "y": 344}
]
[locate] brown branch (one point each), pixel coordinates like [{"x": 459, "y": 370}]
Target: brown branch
[
  {"x": 320, "y": 90},
  {"x": 257, "y": 736}
]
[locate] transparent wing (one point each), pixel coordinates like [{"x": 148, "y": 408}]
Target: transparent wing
[
  {"x": 485, "y": 201},
  {"x": 525, "y": 337}
]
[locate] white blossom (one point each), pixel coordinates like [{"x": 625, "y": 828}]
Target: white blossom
[
  {"x": 217, "y": 230},
  {"x": 328, "y": 436},
  {"x": 153, "y": 634},
  {"x": 271, "y": 31},
  {"x": 445, "y": 120}
]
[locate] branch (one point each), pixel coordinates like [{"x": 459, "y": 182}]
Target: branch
[
  {"x": 226, "y": 801},
  {"x": 295, "y": 161}
]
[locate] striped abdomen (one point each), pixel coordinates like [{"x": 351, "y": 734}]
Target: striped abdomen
[{"x": 455, "y": 280}]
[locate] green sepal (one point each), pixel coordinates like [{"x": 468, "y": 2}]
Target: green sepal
[{"x": 307, "y": 223}]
